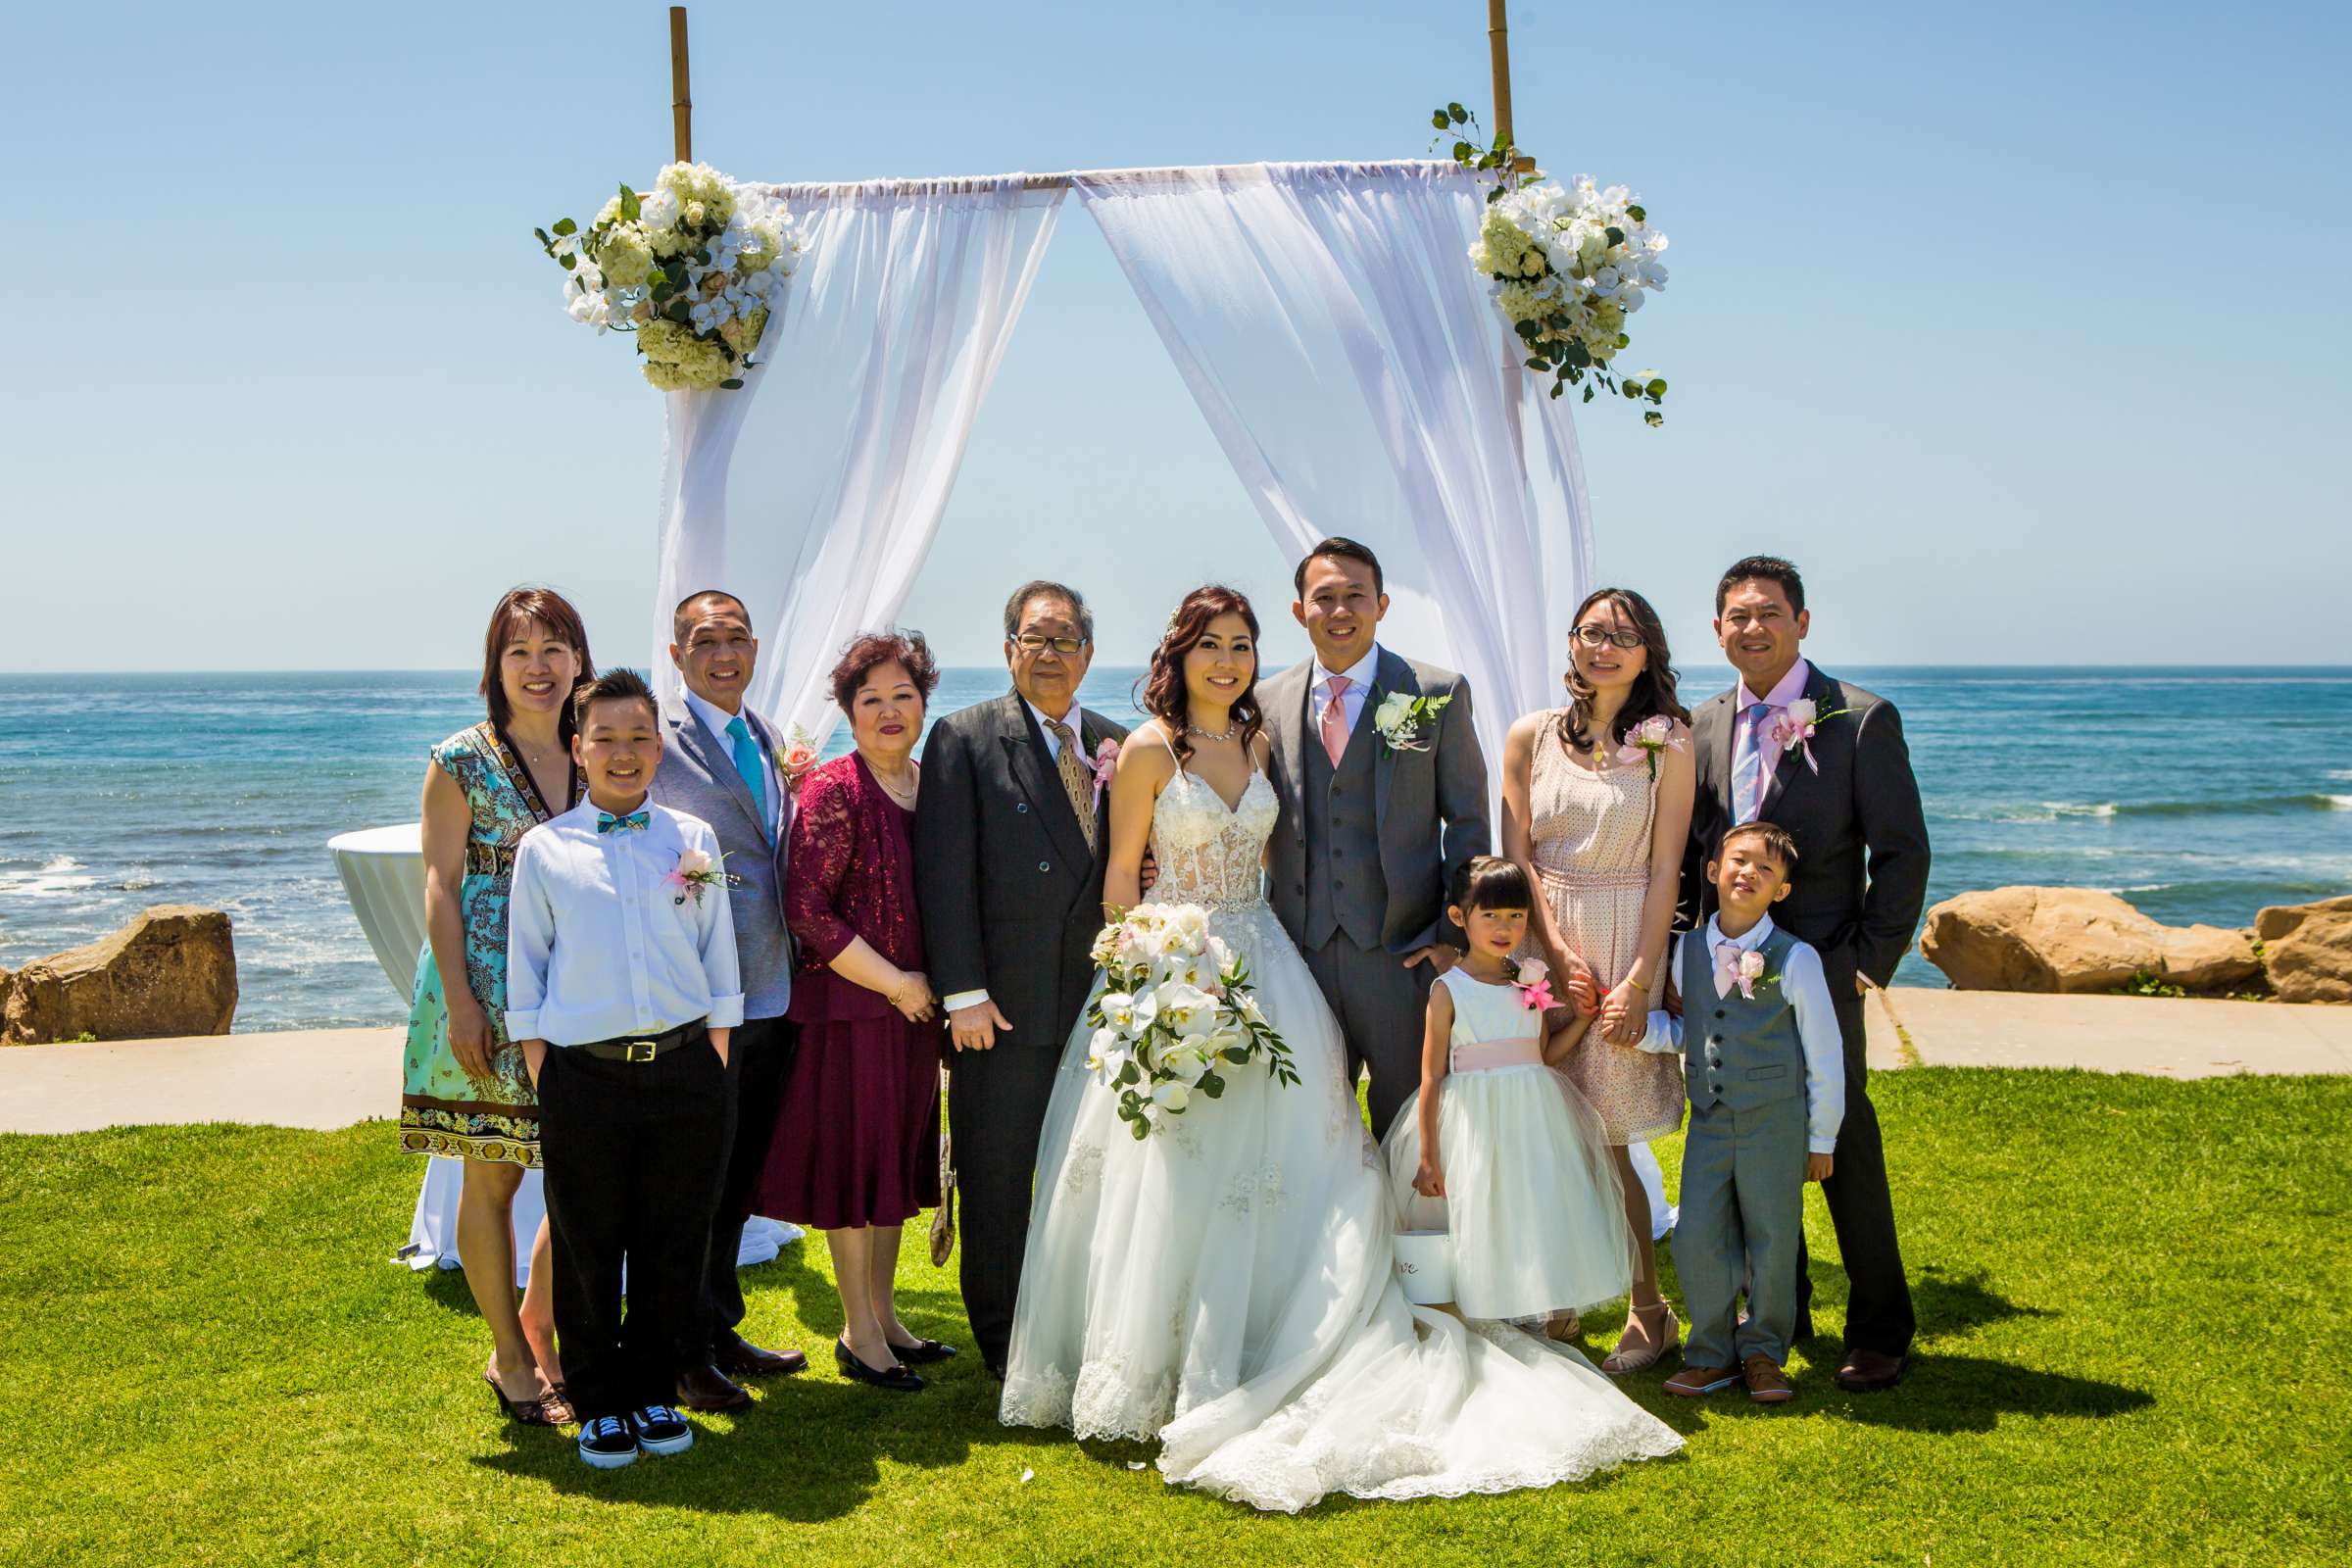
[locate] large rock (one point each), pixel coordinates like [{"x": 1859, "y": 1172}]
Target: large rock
[
  {"x": 2308, "y": 949},
  {"x": 2076, "y": 938},
  {"x": 172, "y": 971}
]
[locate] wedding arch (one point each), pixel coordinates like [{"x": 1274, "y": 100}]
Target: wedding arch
[{"x": 1352, "y": 367}]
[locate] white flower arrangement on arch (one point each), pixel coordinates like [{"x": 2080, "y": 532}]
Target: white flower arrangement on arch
[
  {"x": 694, "y": 268},
  {"x": 1566, "y": 263}
]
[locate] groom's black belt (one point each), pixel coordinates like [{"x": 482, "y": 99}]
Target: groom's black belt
[{"x": 645, "y": 1047}]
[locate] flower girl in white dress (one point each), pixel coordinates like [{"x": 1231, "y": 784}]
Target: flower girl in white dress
[{"x": 1500, "y": 1150}]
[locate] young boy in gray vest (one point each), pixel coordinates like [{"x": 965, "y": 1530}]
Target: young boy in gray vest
[{"x": 1765, "y": 1070}]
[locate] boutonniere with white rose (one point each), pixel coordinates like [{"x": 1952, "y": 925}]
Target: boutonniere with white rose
[
  {"x": 696, "y": 870},
  {"x": 1751, "y": 974},
  {"x": 1400, "y": 719},
  {"x": 1793, "y": 729}
]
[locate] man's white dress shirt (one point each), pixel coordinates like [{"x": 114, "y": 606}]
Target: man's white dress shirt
[
  {"x": 600, "y": 946},
  {"x": 1807, "y": 989}
]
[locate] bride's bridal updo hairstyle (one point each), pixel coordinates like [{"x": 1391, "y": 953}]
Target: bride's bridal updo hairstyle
[{"x": 1164, "y": 697}]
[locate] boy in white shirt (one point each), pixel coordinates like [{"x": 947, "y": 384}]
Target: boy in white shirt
[
  {"x": 1766, "y": 1078},
  {"x": 621, "y": 989}
]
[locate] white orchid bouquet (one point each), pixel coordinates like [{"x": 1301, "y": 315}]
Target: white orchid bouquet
[
  {"x": 1567, "y": 264},
  {"x": 694, "y": 268},
  {"x": 1173, "y": 1005}
]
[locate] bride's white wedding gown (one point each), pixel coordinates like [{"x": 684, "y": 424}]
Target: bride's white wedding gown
[{"x": 1226, "y": 1284}]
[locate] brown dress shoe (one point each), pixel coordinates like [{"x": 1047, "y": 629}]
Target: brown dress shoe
[
  {"x": 1766, "y": 1382},
  {"x": 1870, "y": 1371},
  {"x": 705, "y": 1388},
  {"x": 1694, "y": 1381},
  {"x": 740, "y": 1358}
]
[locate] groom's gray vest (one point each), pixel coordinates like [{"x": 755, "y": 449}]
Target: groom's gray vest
[
  {"x": 1344, "y": 887},
  {"x": 1742, "y": 1053}
]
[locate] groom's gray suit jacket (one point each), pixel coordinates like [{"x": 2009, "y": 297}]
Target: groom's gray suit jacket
[
  {"x": 698, "y": 776},
  {"x": 1391, "y": 846}
]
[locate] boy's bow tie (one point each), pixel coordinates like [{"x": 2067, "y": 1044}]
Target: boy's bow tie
[{"x": 634, "y": 822}]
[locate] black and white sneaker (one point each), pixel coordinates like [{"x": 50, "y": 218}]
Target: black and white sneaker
[
  {"x": 608, "y": 1443},
  {"x": 662, "y": 1430}
]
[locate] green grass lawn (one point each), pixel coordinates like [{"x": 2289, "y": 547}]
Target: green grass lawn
[{"x": 2131, "y": 1294}]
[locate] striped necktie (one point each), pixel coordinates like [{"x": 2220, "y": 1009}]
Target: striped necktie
[{"x": 1747, "y": 767}]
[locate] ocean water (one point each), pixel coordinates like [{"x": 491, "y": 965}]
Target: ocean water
[{"x": 2198, "y": 796}]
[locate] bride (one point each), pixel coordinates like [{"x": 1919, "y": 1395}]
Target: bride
[{"x": 1225, "y": 1284}]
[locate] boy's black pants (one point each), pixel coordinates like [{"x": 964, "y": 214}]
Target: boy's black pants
[{"x": 634, "y": 1154}]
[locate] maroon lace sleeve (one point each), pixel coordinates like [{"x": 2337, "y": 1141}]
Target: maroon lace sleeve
[{"x": 825, "y": 842}]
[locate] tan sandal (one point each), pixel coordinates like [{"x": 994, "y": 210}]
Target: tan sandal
[
  {"x": 1564, "y": 1328},
  {"x": 1620, "y": 1362}
]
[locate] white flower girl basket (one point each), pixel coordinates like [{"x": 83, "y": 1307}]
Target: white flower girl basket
[{"x": 1425, "y": 1267}]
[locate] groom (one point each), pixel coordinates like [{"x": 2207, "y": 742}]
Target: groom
[
  {"x": 1848, "y": 798},
  {"x": 1376, "y": 815},
  {"x": 1010, "y": 839}
]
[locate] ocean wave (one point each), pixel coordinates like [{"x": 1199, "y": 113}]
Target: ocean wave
[
  {"x": 2250, "y": 806},
  {"x": 52, "y": 879}
]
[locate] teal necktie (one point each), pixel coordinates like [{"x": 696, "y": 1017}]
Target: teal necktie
[{"x": 747, "y": 762}]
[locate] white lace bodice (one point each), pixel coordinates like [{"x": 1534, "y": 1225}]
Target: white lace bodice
[{"x": 1210, "y": 853}]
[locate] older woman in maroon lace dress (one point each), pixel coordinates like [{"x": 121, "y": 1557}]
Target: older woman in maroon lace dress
[{"x": 856, "y": 1146}]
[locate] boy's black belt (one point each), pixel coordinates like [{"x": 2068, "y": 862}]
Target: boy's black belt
[{"x": 645, "y": 1047}]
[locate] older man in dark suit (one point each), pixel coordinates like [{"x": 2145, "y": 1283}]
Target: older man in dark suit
[
  {"x": 1846, "y": 795},
  {"x": 719, "y": 763},
  {"x": 1009, "y": 839}
]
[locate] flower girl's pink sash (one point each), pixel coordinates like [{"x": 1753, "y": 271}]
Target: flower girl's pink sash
[{"x": 1484, "y": 1055}]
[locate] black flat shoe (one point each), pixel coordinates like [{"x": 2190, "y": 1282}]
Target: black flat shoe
[
  {"x": 923, "y": 1352},
  {"x": 895, "y": 1378}
]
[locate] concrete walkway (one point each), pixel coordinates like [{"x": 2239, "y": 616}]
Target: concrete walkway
[
  {"x": 2178, "y": 1036},
  {"x": 334, "y": 1077}
]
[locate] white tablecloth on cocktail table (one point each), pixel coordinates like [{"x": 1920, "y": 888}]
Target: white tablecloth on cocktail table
[{"x": 384, "y": 873}]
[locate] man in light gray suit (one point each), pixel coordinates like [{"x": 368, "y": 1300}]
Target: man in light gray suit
[
  {"x": 1375, "y": 820},
  {"x": 719, "y": 763}
]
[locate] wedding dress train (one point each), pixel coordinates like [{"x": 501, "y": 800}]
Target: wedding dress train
[{"x": 1226, "y": 1286}]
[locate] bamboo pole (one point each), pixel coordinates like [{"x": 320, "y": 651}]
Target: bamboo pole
[
  {"x": 681, "y": 101},
  {"x": 1499, "y": 46}
]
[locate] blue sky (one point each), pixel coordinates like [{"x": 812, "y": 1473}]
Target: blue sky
[{"x": 2016, "y": 326}]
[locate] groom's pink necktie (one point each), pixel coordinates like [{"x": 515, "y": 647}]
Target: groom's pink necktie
[{"x": 1335, "y": 719}]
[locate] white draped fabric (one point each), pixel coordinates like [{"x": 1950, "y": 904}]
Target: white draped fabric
[
  {"x": 814, "y": 492},
  {"x": 1361, "y": 382}
]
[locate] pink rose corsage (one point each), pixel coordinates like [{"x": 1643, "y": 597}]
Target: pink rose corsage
[
  {"x": 1107, "y": 763},
  {"x": 1534, "y": 979},
  {"x": 696, "y": 870},
  {"x": 1753, "y": 975},
  {"x": 1795, "y": 726},
  {"x": 1652, "y": 738}
]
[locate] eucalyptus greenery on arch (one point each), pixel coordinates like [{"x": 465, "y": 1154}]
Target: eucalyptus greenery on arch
[{"x": 1567, "y": 264}]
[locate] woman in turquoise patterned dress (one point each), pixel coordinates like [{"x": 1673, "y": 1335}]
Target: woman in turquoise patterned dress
[{"x": 465, "y": 1092}]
